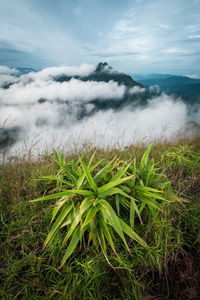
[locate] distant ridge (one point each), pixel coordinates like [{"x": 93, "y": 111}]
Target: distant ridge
[{"x": 186, "y": 87}]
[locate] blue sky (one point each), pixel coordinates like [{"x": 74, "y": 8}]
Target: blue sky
[{"x": 134, "y": 36}]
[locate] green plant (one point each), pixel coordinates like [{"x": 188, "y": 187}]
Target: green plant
[
  {"x": 85, "y": 201},
  {"x": 181, "y": 156}
]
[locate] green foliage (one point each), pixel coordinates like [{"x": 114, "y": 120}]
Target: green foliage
[
  {"x": 181, "y": 156},
  {"x": 84, "y": 210}
]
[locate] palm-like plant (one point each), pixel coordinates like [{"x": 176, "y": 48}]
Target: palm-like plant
[{"x": 84, "y": 209}]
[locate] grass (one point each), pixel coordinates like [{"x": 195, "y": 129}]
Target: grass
[{"x": 168, "y": 268}]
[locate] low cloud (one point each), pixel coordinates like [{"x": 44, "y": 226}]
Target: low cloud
[
  {"x": 136, "y": 90},
  {"x": 8, "y": 71},
  {"x": 65, "y": 113},
  {"x": 193, "y": 76},
  {"x": 7, "y": 79},
  {"x": 73, "y": 90},
  {"x": 48, "y": 73}
]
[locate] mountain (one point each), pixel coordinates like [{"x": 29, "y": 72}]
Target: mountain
[
  {"x": 136, "y": 93},
  {"x": 187, "y": 88},
  {"x": 104, "y": 72}
]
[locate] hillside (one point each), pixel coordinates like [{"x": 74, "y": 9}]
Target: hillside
[
  {"x": 163, "y": 261},
  {"x": 187, "y": 88}
]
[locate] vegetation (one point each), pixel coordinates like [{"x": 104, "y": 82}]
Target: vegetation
[{"x": 118, "y": 224}]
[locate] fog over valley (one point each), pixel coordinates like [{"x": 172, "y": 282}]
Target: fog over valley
[{"x": 70, "y": 106}]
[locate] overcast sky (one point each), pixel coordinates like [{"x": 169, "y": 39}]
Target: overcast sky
[{"x": 133, "y": 36}]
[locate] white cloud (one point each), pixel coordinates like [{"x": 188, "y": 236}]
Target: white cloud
[
  {"x": 194, "y": 36},
  {"x": 73, "y": 90},
  {"x": 4, "y": 79},
  {"x": 47, "y": 73},
  {"x": 161, "y": 119},
  {"x": 193, "y": 76},
  {"x": 137, "y": 90},
  {"x": 177, "y": 51},
  {"x": 8, "y": 71},
  {"x": 69, "y": 118},
  {"x": 136, "y": 41},
  {"x": 164, "y": 26}
]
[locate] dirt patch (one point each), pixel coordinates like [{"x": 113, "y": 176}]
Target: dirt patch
[{"x": 180, "y": 282}]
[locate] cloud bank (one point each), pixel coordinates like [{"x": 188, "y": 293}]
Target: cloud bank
[
  {"x": 39, "y": 109},
  {"x": 8, "y": 71}
]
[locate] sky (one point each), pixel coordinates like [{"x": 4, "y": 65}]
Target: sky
[{"x": 133, "y": 36}]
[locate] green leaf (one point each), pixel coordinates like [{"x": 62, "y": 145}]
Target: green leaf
[
  {"x": 109, "y": 213},
  {"x": 90, "y": 215},
  {"x": 56, "y": 226},
  {"x": 92, "y": 225},
  {"x": 95, "y": 165},
  {"x": 73, "y": 243},
  {"x": 70, "y": 172},
  {"x": 150, "y": 194},
  {"x": 89, "y": 176},
  {"x": 72, "y": 228},
  {"x": 66, "y": 193},
  {"x": 127, "y": 229},
  {"x": 102, "y": 241},
  {"x": 117, "y": 200},
  {"x": 132, "y": 213},
  {"x": 111, "y": 184},
  {"x": 57, "y": 156},
  {"x": 121, "y": 172},
  {"x": 107, "y": 234},
  {"x": 144, "y": 159},
  {"x": 149, "y": 202},
  {"x": 52, "y": 178},
  {"x": 58, "y": 206},
  {"x": 133, "y": 209},
  {"x": 124, "y": 201},
  {"x": 53, "y": 196},
  {"x": 80, "y": 181},
  {"x": 114, "y": 191},
  {"x": 86, "y": 203},
  {"x": 102, "y": 171},
  {"x": 146, "y": 189},
  {"x": 78, "y": 217},
  {"x": 142, "y": 207}
]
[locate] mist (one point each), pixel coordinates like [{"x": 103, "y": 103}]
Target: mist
[{"x": 39, "y": 112}]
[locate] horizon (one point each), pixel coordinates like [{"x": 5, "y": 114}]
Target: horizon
[
  {"x": 134, "y": 37},
  {"x": 13, "y": 70}
]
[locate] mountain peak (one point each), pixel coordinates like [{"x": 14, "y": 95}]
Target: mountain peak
[{"x": 102, "y": 67}]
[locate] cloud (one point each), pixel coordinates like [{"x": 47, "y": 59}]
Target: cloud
[
  {"x": 136, "y": 90},
  {"x": 8, "y": 71},
  {"x": 48, "y": 73},
  {"x": 145, "y": 29},
  {"x": 177, "y": 51},
  {"x": 51, "y": 124},
  {"x": 7, "y": 79},
  {"x": 194, "y": 36},
  {"x": 73, "y": 90},
  {"x": 64, "y": 113},
  {"x": 193, "y": 76}
]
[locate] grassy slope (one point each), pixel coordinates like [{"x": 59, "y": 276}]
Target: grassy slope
[{"x": 169, "y": 269}]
